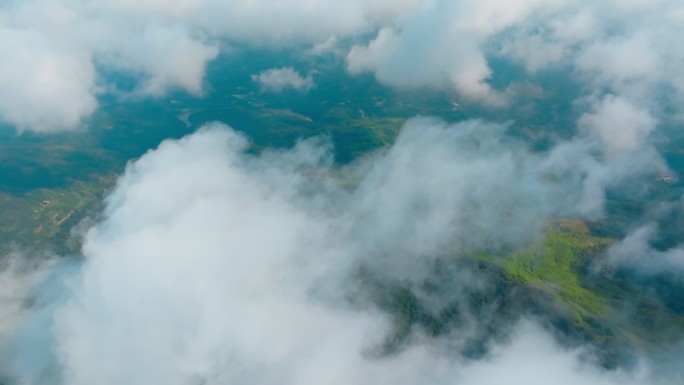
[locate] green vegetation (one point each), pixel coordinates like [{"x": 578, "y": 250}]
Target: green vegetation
[
  {"x": 48, "y": 182},
  {"x": 38, "y": 218},
  {"x": 606, "y": 309},
  {"x": 552, "y": 264}
]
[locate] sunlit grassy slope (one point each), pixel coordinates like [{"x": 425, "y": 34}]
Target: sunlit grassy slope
[
  {"x": 556, "y": 281},
  {"x": 605, "y": 307},
  {"x": 552, "y": 264}
]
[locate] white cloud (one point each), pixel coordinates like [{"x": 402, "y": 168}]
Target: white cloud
[
  {"x": 533, "y": 359},
  {"x": 620, "y": 61},
  {"x": 636, "y": 252},
  {"x": 442, "y": 45},
  {"x": 280, "y": 79},
  {"x": 168, "y": 56},
  {"x": 627, "y": 49},
  {"x": 330, "y": 46},
  {"x": 49, "y": 82},
  {"x": 42, "y": 88},
  {"x": 420, "y": 43},
  {"x": 52, "y": 45},
  {"x": 214, "y": 266},
  {"x": 428, "y": 49},
  {"x": 620, "y": 126}
]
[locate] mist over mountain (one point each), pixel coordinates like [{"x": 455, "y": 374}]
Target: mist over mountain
[{"x": 341, "y": 192}]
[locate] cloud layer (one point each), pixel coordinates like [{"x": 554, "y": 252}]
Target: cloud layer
[
  {"x": 56, "y": 51},
  {"x": 214, "y": 266},
  {"x": 635, "y": 252}
]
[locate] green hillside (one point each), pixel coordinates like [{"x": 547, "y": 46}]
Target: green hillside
[
  {"x": 552, "y": 265},
  {"x": 566, "y": 267}
]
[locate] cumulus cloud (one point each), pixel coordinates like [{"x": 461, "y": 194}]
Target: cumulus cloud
[
  {"x": 442, "y": 43},
  {"x": 636, "y": 252},
  {"x": 411, "y": 58},
  {"x": 279, "y": 79},
  {"x": 625, "y": 49},
  {"x": 54, "y": 50},
  {"x": 43, "y": 89},
  {"x": 167, "y": 56},
  {"x": 330, "y": 46},
  {"x": 619, "y": 125},
  {"x": 215, "y": 266}
]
